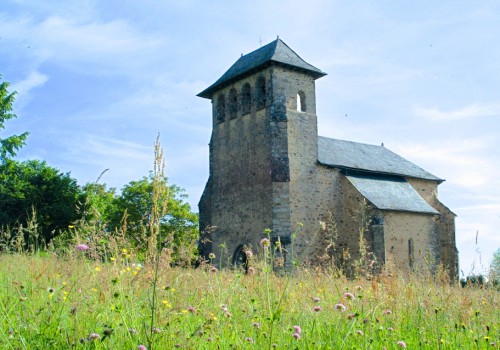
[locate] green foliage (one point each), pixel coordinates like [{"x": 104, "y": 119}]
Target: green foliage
[
  {"x": 32, "y": 188},
  {"x": 131, "y": 211},
  {"x": 9, "y": 145},
  {"x": 136, "y": 200},
  {"x": 495, "y": 266}
]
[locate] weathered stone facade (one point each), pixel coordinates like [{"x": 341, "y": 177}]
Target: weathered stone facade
[{"x": 270, "y": 170}]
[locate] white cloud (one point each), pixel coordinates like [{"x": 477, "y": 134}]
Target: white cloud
[
  {"x": 467, "y": 112},
  {"x": 33, "y": 80}
]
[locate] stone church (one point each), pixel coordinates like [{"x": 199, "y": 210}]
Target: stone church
[{"x": 269, "y": 169}]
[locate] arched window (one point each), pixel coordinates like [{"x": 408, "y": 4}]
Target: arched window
[
  {"x": 246, "y": 99},
  {"x": 233, "y": 103},
  {"x": 301, "y": 101},
  {"x": 221, "y": 108},
  {"x": 260, "y": 92}
]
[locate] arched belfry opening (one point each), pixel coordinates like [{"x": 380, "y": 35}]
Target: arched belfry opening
[
  {"x": 246, "y": 99},
  {"x": 301, "y": 102},
  {"x": 260, "y": 92},
  {"x": 233, "y": 103},
  {"x": 221, "y": 108}
]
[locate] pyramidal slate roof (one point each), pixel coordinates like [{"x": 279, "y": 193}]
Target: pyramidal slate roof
[
  {"x": 367, "y": 158},
  {"x": 276, "y": 52}
]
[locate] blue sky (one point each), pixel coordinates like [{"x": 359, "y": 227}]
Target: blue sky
[{"x": 98, "y": 80}]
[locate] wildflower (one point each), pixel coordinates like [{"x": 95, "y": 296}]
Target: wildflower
[
  {"x": 349, "y": 296},
  {"x": 112, "y": 259},
  {"x": 296, "y": 336},
  {"x": 211, "y": 256},
  {"x": 213, "y": 269},
  {"x": 297, "y": 329},
  {"x": 94, "y": 336},
  {"x": 402, "y": 344},
  {"x": 351, "y": 316},
  {"x": 249, "y": 254},
  {"x": 71, "y": 226},
  {"x": 340, "y": 307},
  {"x": 317, "y": 308},
  {"x": 97, "y": 268},
  {"x": 390, "y": 329},
  {"x": 132, "y": 331},
  {"x": 251, "y": 270},
  {"x": 360, "y": 332},
  {"x": 316, "y": 299},
  {"x": 142, "y": 347},
  {"x": 191, "y": 309},
  {"x": 51, "y": 290},
  {"x": 264, "y": 242},
  {"x": 156, "y": 330},
  {"x": 256, "y": 325},
  {"x": 388, "y": 312},
  {"x": 167, "y": 304},
  {"x": 250, "y": 340},
  {"x": 82, "y": 247}
]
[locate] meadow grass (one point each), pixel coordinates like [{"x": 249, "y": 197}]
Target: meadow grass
[{"x": 76, "y": 302}]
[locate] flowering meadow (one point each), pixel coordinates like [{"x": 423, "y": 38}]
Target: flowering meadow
[{"x": 75, "y": 301}]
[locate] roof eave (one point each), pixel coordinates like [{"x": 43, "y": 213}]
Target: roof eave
[
  {"x": 438, "y": 180},
  {"x": 209, "y": 92}
]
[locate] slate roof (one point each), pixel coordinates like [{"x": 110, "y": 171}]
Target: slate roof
[
  {"x": 369, "y": 158},
  {"x": 276, "y": 52},
  {"x": 391, "y": 193}
]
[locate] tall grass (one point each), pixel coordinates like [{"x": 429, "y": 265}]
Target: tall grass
[{"x": 74, "y": 302}]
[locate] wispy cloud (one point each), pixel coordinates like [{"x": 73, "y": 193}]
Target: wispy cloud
[
  {"x": 33, "y": 80},
  {"x": 467, "y": 112}
]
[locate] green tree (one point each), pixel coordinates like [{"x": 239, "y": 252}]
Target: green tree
[
  {"x": 34, "y": 187},
  {"x": 178, "y": 228},
  {"x": 8, "y": 145},
  {"x": 495, "y": 266}
]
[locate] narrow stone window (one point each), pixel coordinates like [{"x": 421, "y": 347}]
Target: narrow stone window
[
  {"x": 233, "y": 103},
  {"x": 411, "y": 258},
  {"x": 246, "y": 99},
  {"x": 301, "y": 101},
  {"x": 220, "y": 109},
  {"x": 260, "y": 92}
]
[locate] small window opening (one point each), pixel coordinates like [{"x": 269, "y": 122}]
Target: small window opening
[
  {"x": 261, "y": 92},
  {"x": 233, "y": 103},
  {"x": 301, "y": 101},
  {"x": 246, "y": 99},
  {"x": 411, "y": 258},
  {"x": 221, "y": 108}
]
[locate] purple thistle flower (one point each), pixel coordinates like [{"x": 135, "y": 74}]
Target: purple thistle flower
[
  {"x": 250, "y": 340},
  {"x": 349, "y": 296},
  {"x": 256, "y": 325},
  {"x": 251, "y": 270},
  {"x": 388, "y": 312},
  {"x": 402, "y": 344},
  {"x": 213, "y": 269},
  {"x": 82, "y": 247},
  {"x": 351, "y": 316},
  {"x": 297, "y": 329},
  {"x": 296, "y": 336},
  {"x": 94, "y": 336},
  {"x": 316, "y": 299},
  {"x": 142, "y": 347},
  {"x": 340, "y": 307},
  {"x": 390, "y": 329},
  {"x": 317, "y": 308}
]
